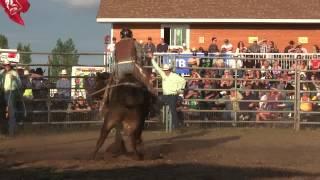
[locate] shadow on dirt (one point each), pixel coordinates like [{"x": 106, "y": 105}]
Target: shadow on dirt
[
  {"x": 178, "y": 146},
  {"x": 164, "y": 171}
]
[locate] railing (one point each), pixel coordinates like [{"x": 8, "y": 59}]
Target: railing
[
  {"x": 285, "y": 110},
  {"x": 47, "y": 108},
  {"x": 196, "y": 110}
]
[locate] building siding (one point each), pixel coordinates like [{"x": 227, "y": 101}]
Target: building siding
[
  {"x": 140, "y": 31},
  {"x": 280, "y": 34},
  {"x": 210, "y": 9}
]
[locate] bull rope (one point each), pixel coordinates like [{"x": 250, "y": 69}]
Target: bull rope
[
  {"x": 109, "y": 86},
  {"x": 107, "y": 92},
  {"x": 113, "y": 86}
]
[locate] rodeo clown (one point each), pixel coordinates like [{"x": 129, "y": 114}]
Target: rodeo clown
[{"x": 128, "y": 58}]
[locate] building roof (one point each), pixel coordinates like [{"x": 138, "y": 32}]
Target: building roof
[{"x": 208, "y": 10}]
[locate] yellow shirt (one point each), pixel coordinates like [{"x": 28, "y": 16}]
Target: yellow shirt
[
  {"x": 28, "y": 93},
  {"x": 172, "y": 83},
  {"x": 235, "y": 101}
]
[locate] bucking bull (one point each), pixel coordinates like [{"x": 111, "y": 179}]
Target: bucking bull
[{"x": 126, "y": 108}]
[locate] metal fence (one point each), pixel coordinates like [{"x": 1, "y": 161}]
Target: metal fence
[
  {"x": 297, "y": 106},
  {"x": 46, "y": 106},
  {"x": 283, "y": 106}
]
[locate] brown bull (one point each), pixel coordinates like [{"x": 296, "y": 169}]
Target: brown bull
[{"x": 127, "y": 107}]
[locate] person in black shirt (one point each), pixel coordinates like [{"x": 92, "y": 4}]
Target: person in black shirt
[
  {"x": 247, "y": 105},
  {"x": 205, "y": 62},
  {"x": 149, "y": 48},
  {"x": 213, "y": 48},
  {"x": 289, "y": 47},
  {"x": 162, "y": 46}
]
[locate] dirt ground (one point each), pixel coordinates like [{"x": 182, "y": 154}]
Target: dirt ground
[{"x": 185, "y": 154}]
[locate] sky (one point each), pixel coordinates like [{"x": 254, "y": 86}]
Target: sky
[{"x": 48, "y": 20}]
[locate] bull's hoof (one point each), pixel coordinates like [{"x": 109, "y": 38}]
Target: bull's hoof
[
  {"x": 117, "y": 154},
  {"x": 135, "y": 156},
  {"x": 131, "y": 156},
  {"x": 116, "y": 148},
  {"x": 108, "y": 156},
  {"x": 140, "y": 157},
  {"x": 124, "y": 157},
  {"x": 94, "y": 156}
]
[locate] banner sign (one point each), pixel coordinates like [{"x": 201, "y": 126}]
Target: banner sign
[
  {"x": 78, "y": 82},
  {"x": 10, "y": 55},
  {"x": 181, "y": 62}
]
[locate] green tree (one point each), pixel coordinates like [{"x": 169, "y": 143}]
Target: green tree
[
  {"x": 24, "y": 58},
  {"x": 3, "y": 42},
  {"x": 64, "y": 55}
]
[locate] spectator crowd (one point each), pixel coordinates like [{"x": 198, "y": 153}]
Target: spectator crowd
[
  {"x": 28, "y": 94},
  {"x": 229, "y": 78},
  {"x": 229, "y": 82}
]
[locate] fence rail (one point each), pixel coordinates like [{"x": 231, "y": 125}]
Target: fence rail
[
  {"x": 290, "y": 110},
  {"x": 297, "y": 68}
]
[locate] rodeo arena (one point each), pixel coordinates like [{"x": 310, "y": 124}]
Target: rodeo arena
[{"x": 212, "y": 97}]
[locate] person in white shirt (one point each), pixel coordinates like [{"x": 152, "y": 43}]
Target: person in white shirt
[
  {"x": 3, "y": 121},
  {"x": 227, "y": 49},
  {"x": 110, "y": 51},
  {"x": 11, "y": 85},
  {"x": 64, "y": 86},
  {"x": 172, "y": 84},
  {"x": 111, "y": 46}
]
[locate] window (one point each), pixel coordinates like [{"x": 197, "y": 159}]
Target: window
[{"x": 175, "y": 35}]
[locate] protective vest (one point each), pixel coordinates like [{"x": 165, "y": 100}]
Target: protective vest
[{"x": 125, "y": 50}]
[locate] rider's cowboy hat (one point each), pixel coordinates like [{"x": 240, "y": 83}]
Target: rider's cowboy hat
[
  {"x": 166, "y": 67},
  {"x": 63, "y": 72}
]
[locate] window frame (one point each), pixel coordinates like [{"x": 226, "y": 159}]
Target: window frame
[{"x": 176, "y": 26}]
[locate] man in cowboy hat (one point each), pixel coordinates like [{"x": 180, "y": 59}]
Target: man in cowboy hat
[
  {"x": 3, "y": 121},
  {"x": 63, "y": 85},
  {"x": 39, "y": 89},
  {"x": 39, "y": 71},
  {"x": 172, "y": 84},
  {"x": 11, "y": 87}
]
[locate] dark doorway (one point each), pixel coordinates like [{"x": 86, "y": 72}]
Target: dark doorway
[{"x": 167, "y": 35}]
